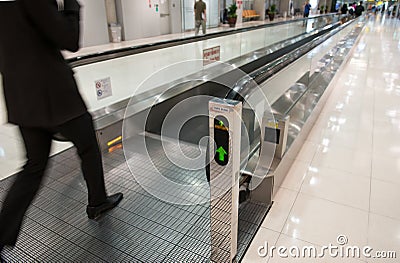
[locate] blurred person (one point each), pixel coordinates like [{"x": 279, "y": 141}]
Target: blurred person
[
  {"x": 306, "y": 11},
  {"x": 225, "y": 16},
  {"x": 200, "y": 16},
  {"x": 344, "y": 9},
  {"x": 351, "y": 9},
  {"x": 42, "y": 99},
  {"x": 390, "y": 10},
  {"x": 359, "y": 9}
]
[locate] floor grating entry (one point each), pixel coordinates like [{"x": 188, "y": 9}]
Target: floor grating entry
[{"x": 142, "y": 228}]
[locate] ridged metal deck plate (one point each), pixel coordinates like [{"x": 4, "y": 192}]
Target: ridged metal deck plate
[{"x": 141, "y": 229}]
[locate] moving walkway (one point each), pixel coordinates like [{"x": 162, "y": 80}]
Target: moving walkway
[{"x": 155, "y": 144}]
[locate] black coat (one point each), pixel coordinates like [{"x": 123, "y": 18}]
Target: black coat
[{"x": 39, "y": 86}]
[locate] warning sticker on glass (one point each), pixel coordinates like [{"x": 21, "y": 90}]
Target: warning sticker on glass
[
  {"x": 211, "y": 55},
  {"x": 103, "y": 88}
]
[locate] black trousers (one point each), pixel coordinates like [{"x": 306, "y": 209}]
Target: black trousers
[{"x": 37, "y": 142}]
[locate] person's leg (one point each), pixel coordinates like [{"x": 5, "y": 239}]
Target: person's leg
[
  {"x": 197, "y": 27},
  {"x": 203, "y": 24},
  {"x": 80, "y": 132},
  {"x": 20, "y": 195}
]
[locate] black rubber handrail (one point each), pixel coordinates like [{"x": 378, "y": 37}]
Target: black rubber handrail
[
  {"x": 127, "y": 51},
  {"x": 271, "y": 57},
  {"x": 280, "y": 59}
]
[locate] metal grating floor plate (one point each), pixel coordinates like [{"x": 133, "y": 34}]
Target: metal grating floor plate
[{"x": 142, "y": 228}]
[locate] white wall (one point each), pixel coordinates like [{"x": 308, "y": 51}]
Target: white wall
[
  {"x": 188, "y": 13},
  {"x": 259, "y": 6},
  {"x": 175, "y": 10},
  {"x": 212, "y": 13},
  {"x": 138, "y": 19},
  {"x": 111, "y": 12},
  {"x": 239, "y": 13},
  {"x": 93, "y": 23}
]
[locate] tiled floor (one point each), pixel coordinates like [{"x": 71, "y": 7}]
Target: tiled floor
[{"x": 346, "y": 178}]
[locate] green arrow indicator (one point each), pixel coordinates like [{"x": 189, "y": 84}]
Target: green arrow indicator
[
  {"x": 221, "y": 151},
  {"x": 221, "y": 123}
]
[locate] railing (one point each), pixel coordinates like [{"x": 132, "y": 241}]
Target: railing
[
  {"x": 127, "y": 68},
  {"x": 296, "y": 60},
  {"x": 289, "y": 85}
]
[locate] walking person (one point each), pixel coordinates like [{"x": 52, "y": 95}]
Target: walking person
[
  {"x": 390, "y": 10},
  {"x": 359, "y": 9},
  {"x": 306, "y": 12},
  {"x": 344, "y": 9},
  {"x": 42, "y": 99},
  {"x": 200, "y": 16},
  {"x": 307, "y": 8}
]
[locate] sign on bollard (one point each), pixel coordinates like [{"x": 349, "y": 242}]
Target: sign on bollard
[{"x": 225, "y": 133}]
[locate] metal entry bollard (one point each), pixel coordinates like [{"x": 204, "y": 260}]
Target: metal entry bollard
[
  {"x": 275, "y": 135},
  {"x": 225, "y": 132}
]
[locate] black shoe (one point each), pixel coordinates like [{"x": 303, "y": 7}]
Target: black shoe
[
  {"x": 94, "y": 212},
  {"x": 244, "y": 193}
]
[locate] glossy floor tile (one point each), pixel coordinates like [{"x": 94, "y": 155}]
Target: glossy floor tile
[
  {"x": 383, "y": 235},
  {"x": 295, "y": 177},
  {"x": 385, "y": 198},
  {"x": 386, "y": 168},
  {"x": 279, "y": 212},
  {"x": 321, "y": 221},
  {"x": 338, "y": 186},
  {"x": 344, "y": 159},
  {"x": 257, "y": 252},
  {"x": 296, "y": 248},
  {"x": 307, "y": 152}
]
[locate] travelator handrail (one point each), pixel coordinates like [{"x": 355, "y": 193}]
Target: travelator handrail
[
  {"x": 248, "y": 84},
  {"x": 104, "y": 55},
  {"x": 114, "y": 113},
  {"x": 286, "y": 56}
]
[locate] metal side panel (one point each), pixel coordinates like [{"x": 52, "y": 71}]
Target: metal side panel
[{"x": 319, "y": 92}]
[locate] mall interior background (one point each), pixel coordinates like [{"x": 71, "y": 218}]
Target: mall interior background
[{"x": 148, "y": 18}]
